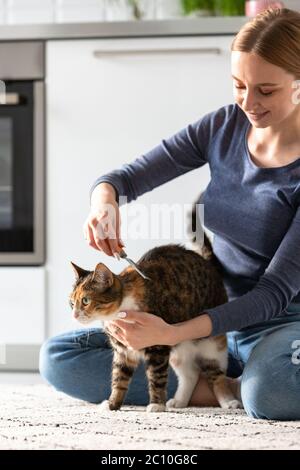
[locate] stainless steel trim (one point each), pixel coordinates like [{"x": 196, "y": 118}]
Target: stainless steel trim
[
  {"x": 26, "y": 61},
  {"x": 39, "y": 172},
  {"x": 22, "y": 60},
  {"x": 188, "y": 50},
  {"x": 9, "y": 99},
  {"x": 38, "y": 256}
]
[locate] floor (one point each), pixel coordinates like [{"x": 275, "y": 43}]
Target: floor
[
  {"x": 22, "y": 378},
  {"x": 35, "y": 416}
]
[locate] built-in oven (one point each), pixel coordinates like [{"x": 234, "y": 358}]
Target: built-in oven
[{"x": 22, "y": 154}]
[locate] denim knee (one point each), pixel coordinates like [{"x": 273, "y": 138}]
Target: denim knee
[
  {"x": 257, "y": 395},
  {"x": 48, "y": 365},
  {"x": 78, "y": 363},
  {"x": 271, "y": 382}
]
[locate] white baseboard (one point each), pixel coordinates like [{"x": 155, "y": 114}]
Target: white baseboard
[{"x": 19, "y": 357}]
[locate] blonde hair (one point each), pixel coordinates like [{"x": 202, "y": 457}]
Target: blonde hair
[{"x": 274, "y": 35}]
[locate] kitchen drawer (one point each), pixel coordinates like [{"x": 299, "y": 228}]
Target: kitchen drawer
[{"x": 22, "y": 294}]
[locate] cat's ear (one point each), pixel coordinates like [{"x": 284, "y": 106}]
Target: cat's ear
[
  {"x": 103, "y": 275},
  {"x": 79, "y": 272}
]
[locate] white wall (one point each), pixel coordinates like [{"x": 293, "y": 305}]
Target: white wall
[{"x": 106, "y": 110}]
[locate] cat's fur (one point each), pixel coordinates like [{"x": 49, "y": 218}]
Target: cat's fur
[{"x": 183, "y": 284}]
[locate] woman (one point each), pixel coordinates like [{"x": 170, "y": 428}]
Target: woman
[{"x": 251, "y": 206}]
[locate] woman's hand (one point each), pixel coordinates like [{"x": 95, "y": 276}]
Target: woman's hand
[
  {"x": 150, "y": 330},
  {"x": 102, "y": 226},
  {"x": 146, "y": 330}
]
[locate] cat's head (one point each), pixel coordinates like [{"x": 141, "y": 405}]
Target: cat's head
[{"x": 96, "y": 294}]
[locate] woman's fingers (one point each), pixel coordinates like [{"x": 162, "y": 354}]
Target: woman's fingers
[
  {"x": 96, "y": 244},
  {"x": 100, "y": 239},
  {"x": 120, "y": 242},
  {"x": 143, "y": 318},
  {"x": 90, "y": 238},
  {"x": 111, "y": 232},
  {"x": 96, "y": 239},
  {"x": 116, "y": 326},
  {"x": 102, "y": 229},
  {"x": 117, "y": 333}
]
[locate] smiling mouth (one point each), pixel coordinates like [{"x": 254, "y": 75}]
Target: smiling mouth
[{"x": 257, "y": 116}]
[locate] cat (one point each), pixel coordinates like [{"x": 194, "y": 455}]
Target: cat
[{"x": 183, "y": 283}]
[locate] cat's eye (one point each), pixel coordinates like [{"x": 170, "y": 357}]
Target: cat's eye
[
  {"x": 71, "y": 303},
  {"x": 85, "y": 300}
]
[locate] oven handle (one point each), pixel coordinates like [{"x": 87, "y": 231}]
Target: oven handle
[
  {"x": 166, "y": 50},
  {"x": 10, "y": 99}
]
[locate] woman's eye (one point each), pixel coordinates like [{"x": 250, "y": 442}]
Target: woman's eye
[
  {"x": 85, "y": 300},
  {"x": 264, "y": 94},
  {"x": 239, "y": 88}
]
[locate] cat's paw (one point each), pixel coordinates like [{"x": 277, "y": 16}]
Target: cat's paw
[
  {"x": 175, "y": 403},
  {"x": 104, "y": 406},
  {"x": 232, "y": 405},
  {"x": 156, "y": 408},
  {"x": 107, "y": 405}
]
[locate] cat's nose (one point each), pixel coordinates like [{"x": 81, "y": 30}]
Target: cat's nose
[{"x": 75, "y": 314}]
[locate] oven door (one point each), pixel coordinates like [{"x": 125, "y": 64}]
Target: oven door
[{"x": 22, "y": 174}]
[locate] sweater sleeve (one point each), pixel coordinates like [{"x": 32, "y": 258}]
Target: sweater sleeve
[
  {"x": 274, "y": 291},
  {"x": 183, "y": 152}
]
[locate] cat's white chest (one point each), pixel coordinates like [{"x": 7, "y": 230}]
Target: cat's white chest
[{"x": 128, "y": 303}]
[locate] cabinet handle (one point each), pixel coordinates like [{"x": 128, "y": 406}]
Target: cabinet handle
[
  {"x": 189, "y": 50},
  {"x": 9, "y": 99}
]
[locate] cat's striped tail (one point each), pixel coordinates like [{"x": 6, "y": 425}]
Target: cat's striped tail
[{"x": 199, "y": 240}]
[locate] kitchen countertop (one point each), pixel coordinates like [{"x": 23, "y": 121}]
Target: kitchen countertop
[{"x": 126, "y": 29}]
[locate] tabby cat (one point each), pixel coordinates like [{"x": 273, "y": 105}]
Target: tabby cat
[{"x": 182, "y": 284}]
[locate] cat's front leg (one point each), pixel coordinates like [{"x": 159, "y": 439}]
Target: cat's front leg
[
  {"x": 123, "y": 367},
  {"x": 157, "y": 363}
]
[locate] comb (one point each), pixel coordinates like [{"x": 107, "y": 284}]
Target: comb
[{"x": 122, "y": 254}]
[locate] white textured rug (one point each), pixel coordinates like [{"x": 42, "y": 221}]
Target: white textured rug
[{"x": 38, "y": 417}]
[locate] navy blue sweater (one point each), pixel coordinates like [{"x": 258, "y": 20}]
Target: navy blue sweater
[{"x": 253, "y": 212}]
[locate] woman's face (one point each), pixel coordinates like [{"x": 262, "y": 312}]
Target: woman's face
[{"x": 262, "y": 90}]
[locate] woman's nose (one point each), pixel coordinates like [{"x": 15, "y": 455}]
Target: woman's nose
[{"x": 250, "y": 102}]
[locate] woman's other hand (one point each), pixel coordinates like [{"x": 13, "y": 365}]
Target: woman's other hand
[{"x": 144, "y": 330}]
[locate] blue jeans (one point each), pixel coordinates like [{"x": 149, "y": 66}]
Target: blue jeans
[{"x": 267, "y": 356}]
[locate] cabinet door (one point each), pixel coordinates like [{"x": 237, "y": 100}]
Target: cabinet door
[
  {"x": 109, "y": 101},
  {"x": 22, "y": 305}
]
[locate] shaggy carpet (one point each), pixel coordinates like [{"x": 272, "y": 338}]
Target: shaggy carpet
[{"x": 38, "y": 417}]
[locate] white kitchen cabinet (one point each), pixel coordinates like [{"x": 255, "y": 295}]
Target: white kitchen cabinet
[
  {"x": 108, "y": 101},
  {"x": 22, "y": 305}
]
